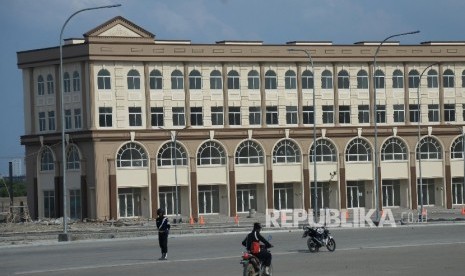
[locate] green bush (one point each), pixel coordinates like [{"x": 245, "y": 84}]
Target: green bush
[{"x": 19, "y": 188}]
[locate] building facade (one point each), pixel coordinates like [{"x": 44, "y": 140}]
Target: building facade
[{"x": 228, "y": 127}]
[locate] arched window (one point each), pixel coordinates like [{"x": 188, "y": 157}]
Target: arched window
[
  {"x": 448, "y": 79},
  {"x": 76, "y": 81},
  {"x": 393, "y": 149},
  {"x": 432, "y": 78},
  {"x": 307, "y": 79},
  {"x": 379, "y": 79},
  {"x": 216, "y": 82},
  {"x": 413, "y": 79},
  {"x": 249, "y": 152},
  {"x": 133, "y": 80},
  {"x": 287, "y": 152},
  {"x": 169, "y": 155},
  {"x": 397, "y": 79},
  {"x": 358, "y": 150},
  {"x": 50, "y": 85},
  {"x": 156, "y": 80},
  {"x": 211, "y": 153},
  {"x": 271, "y": 81},
  {"x": 47, "y": 163},
  {"x": 326, "y": 80},
  {"x": 429, "y": 149},
  {"x": 177, "y": 81},
  {"x": 253, "y": 80},
  {"x": 66, "y": 82},
  {"x": 195, "y": 80},
  {"x": 362, "y": 79},
  {"x": 343, "y": 80},
  {"x": 40, "y": 85},
  {"x": 131, "y": 155},
  {"x": 456, "y": 151},
  {"x": 325, "y": 151},
  {"x": 103, "y": 79},
  {"x": 73, "y": 161},
  {"x": 290, "y": 80},
  {"x": 233, "y": 80}
]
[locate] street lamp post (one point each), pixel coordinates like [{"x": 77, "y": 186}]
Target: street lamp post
[
  {"x": 418, "y": 138},
  {"x": 65, "y": 236},
  {"x": 315, "y": 186},
  {"x": 375, "y": 117},
  {"x": 174, "y": 137}
]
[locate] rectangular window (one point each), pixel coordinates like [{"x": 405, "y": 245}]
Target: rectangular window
[
  {"x": 255, "y": 115},
  {"x": 49, "y": 204},
  {"x": 75, "y": 204},
  {"x": 271, "y": 115},
  {"x": 179, "y": 118},
  {"x": 51, "y": 120},
  {"x": 363, "y": 114},
  {"x": 399, "y": 113},
  {"x": 234, "y": 115},
  {"x": 42, "y": 121},
  {"x": 217, "y": 115},
  {"x": 344, "y": 114},
  {"x": 414, "y": 113},
  {"x": 135, "y": 116},
  {"x": 381, "y": 114},
  {"x": 196, "y": 116},
  {"x": 68, "y": 119},
  {"x": 105, "y": 116},
  {"x": 449, "y": 112},
  {"x": 308, "y": 115},
  {"x": 156, "y": 116},
  {"x": 328, "y": 114},
  {"x": 433, "y": 112},
  {"x": 77, "y": 118},
  {"x": 291, "y": 115}
]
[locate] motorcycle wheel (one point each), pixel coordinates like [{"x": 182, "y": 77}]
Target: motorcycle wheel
[
  {"x": 249, "y": 270},
  {"x": 262, "y": 269},
  {"x": 312, "y": 245},
  {"x": 331, "y": 245}
]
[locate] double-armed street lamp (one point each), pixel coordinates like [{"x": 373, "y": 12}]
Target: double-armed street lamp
[
  {"x": 315, "y": 186},
  {"x": 375, "y": 117},
  {"x": 65, "y": 236}
]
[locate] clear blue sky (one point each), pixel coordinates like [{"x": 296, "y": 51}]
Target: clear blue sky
[{"x": 33, "y": 24}]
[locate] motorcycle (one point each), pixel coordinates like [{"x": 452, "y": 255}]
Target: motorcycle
[
  {"x": 253, "y": 266},
  {"x": 318, "y": 237}
]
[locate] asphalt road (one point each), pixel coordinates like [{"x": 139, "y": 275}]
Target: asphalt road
[{"x": 417, "y": 250}]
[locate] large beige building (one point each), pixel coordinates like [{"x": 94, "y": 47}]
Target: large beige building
[{"x": 231, "y": 125}]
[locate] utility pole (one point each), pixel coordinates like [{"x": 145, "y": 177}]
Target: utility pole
[{"x": 10, "y": 166}]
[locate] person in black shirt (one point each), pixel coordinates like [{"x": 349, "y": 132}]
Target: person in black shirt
[
  {"x": 163, "y": 226},
  {"x": 263, "y": 255}
]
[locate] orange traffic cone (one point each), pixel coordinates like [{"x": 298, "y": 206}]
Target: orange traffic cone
[
  {"x": 191, "y": 221},
  {"x": 201, "y": 221},
  {"x": 463, "y": 211},
  {"x": 236, "y": 219},
  {"x": 424, "y": 212}
]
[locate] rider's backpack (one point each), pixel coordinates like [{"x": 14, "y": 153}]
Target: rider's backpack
[{"x": 255, "y": 247}]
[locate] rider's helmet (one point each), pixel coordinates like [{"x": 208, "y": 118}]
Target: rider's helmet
[
  {"x": 257, "y": 226},
  {"x": 160, "y": 212}
]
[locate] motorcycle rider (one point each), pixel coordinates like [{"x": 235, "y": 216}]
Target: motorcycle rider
[{"x": 264, "y": 255}]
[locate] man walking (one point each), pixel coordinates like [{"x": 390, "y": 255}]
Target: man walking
[{"x": 163, "y": 226}]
